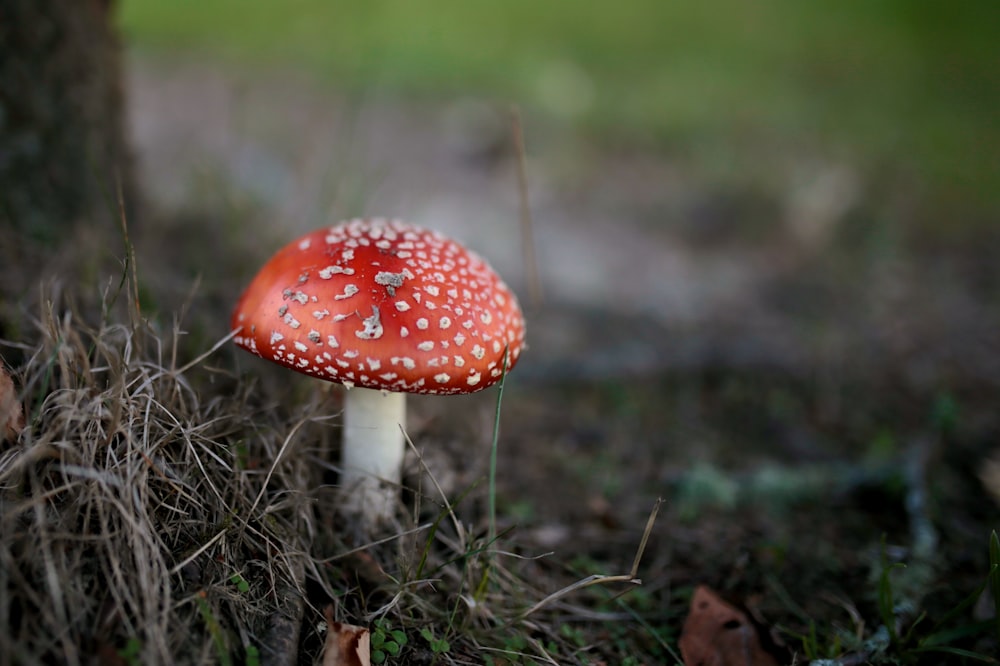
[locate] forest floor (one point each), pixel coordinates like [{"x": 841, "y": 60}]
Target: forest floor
[{"x": 803, "y": 366}]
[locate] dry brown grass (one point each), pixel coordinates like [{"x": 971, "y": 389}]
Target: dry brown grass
[
  {"x": 126, "y": 503},
  {"x": 160, "y": 508}
]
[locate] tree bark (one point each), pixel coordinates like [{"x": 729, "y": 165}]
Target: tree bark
[{"x": 63, "y": 151}]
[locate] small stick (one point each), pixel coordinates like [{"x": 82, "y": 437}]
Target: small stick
[
  {"x": 527, "y": 226},
  {"x": 630, "y": 577},
  {"x": 129, "y": 248}
]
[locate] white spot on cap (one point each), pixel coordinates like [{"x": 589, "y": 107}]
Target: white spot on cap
[
  {"x": 276, "y": 337},
  {"x": 407, "y": 362},
  {"x": 478, "y": 352},
  {"x": 301, "y": 347},
  {"x": 291, "y": 321},
  {"x": 473, "y": 379},
  {"x": 486, "y": 317},
  {"x": 332, "y": 341},
  {"x": 304, "y": 244},
  {"x": 330, "y": 271},
  {"x": 314, "y": 336},
  {"x": 459, "y": 339},
  {"x": 300, "y": 297},
  {"x": 442, "y": 378},
  {"x": 459, "y": 361},
  {"x": 403, "y": 331},
  {"x": 388, "y": 279},
  {"x": 422, "y": 324},
  {"x": 374, "y": 363},
  {"x": 402, "y": 306},
  {"x": 445, "y": 322},
  {"x": 351, "y": 353},
  {"x": 319, "y": 314},
  {"x": 373, "y": 327},
  {"x": 427, "y": 345},
  {"x": 349, "y": 290}
]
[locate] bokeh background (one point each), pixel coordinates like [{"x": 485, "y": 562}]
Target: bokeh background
[
  {"x": 761, "y": 280},
  {"x": 801, "y": 189}
]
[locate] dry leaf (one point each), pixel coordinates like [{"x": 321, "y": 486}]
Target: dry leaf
[
  {"x": 346, "y": 644},
  {"x": 11, "y": 415},
  {"x": 989, "y": 475},
  {"x": 719, "y": 634}
]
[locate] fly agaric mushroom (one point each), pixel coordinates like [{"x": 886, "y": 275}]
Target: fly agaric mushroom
[{"x": 384, "y": 308}]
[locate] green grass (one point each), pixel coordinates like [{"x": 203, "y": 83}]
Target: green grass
[{"x": 896, "y": 85}]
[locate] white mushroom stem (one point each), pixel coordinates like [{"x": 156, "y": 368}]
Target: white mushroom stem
[{"x": 373, "y": 451}]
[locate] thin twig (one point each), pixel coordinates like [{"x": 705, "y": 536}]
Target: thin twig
[
  {"x": 444, "y": 496},
  {"x": 129, "y": 248},
  {"x": 274, "y": 465},
  {"x": 193, "y": 556},
  {"x": 527, "y": 224},
  {"x": 196, "y": 361},
  {"x": 630, "y": 577},
  {"x": 346, "y": 553}
]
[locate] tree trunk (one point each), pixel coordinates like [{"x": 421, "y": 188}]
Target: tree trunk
[
  {"x": 63, "y": 150},
  {"x": 61, "y": 130}
]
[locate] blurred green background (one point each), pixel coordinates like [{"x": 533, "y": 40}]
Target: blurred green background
[{"x": 898, "y": 87}]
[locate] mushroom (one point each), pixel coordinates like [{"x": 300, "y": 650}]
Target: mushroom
[{"x": 384, "y": 308}]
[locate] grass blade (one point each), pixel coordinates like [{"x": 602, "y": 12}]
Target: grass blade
[{"x": 994, "y": 578}]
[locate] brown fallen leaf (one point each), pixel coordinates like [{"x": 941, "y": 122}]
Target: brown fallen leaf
[
  {"x": 11, "y": 414},
  {"x": 346, "y": 644},
  {"x": 989, "y": 475},
  {"x": 717, "y": 633}
]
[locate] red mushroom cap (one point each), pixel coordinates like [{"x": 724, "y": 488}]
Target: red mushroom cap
[{"x": 384, "y": 305}]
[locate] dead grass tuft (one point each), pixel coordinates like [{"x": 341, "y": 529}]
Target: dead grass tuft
[{"x": 125, "y": 502}]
